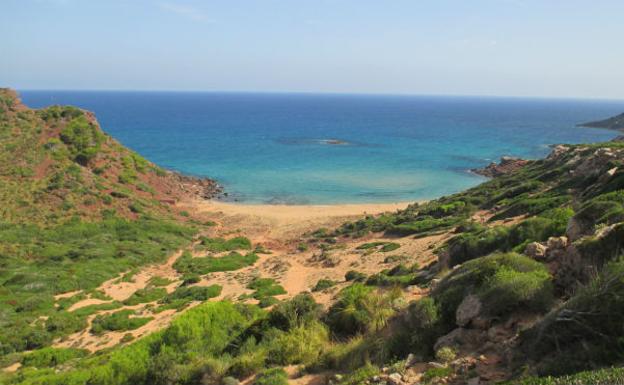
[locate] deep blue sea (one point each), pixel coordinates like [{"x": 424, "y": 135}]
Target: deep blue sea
[{"x": 278, "y": 148}]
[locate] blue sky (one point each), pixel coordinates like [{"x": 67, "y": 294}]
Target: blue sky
[{"x": 561, "y": 48}]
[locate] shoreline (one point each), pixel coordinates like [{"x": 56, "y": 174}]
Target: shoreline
[{"x": 299, "y": 212}]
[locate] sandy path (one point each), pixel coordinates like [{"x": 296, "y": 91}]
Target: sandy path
[{"x": 279, "y": 229}]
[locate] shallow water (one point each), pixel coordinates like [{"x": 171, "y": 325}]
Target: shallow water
[{"x": 307, "y": 148}]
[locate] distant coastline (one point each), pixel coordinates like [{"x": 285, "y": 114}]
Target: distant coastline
[{"x": 613, "y": 123}]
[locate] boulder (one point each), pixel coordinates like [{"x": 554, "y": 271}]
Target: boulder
[
  {"x": 468, "y": 310},
  {"x": 555, "y": 243},
  {"x": 535, "y": 250},
  {"x": 410, "y": 361},
  {"x": 576, "y": 229},
  {"x": 395, "y": 379}
]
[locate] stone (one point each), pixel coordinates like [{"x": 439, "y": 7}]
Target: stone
[
  {"x": 556, "y": 243},
  {"x": 435, "y": 365},
  {"x": 535, "y": 250},
  {"x": 410, "y": 361},
  {"x": 395, "y": 378},
  {"x": 575, "y": 229},
  {"x": 468, "y": 310},
  {"x": 474, "y": 381}
]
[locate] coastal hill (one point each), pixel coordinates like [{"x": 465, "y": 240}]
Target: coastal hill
[
  {"x": 612, "y": 123},
  {"x": 516, "y": 279},
  {"x": 57, "y": 162}
]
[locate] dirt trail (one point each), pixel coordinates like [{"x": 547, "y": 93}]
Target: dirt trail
[{"x": 278, "y": 229}]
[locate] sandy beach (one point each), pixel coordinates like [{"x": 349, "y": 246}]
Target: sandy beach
[
  {"x": 294, "y": 213},
  {"x": 281, "y": 223}
]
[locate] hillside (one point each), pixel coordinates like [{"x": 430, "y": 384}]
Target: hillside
[
  {"x": 513, "y": 280},
  {"x": 612, "y": 123},
  {"x": 77, "y": 209}
]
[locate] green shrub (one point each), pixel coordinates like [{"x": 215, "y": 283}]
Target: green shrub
[
  {"x": 423, "y": 326},
  {"x": 390, "y": 246},
  {"x": 434, "y": 373},
  {"x": 360, "y": 376},
  {"x": 323, "y": 284},
  {"x": 159, "y": 281},
  {"x": 193, "y": 293},
  {"x": 51, "y": 357},
  {"x": 298, "y": 311},
  {"x": 585, "y": 332},
  {"x": 145, "y": 295},
  {"x": 359, "y": 310},
  {"x": 300, "y": 345},
  {"x": 186, "y": 264},
  {"x": 83, "y": 139},
  {"x": 355, "y": 276},
  {"x": 608, "y": 376},
  {"x": 119, "y": 321},
  {"x": 265, "y": 287},
  {"x": 504, "y": 282},
  {"x": 220, "y": 244},
  {"x": 265, "y": 302},
  {"x": 273, "y": 376}
]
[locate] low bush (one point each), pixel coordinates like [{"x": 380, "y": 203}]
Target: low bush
[
  {"x": 585, "y": 332},
  {"x": 265, "y": 287},
  {"x": 323, "y": 284},
  {"x": 119, "y": 321},
  {"x": 186, "y": 264},
  {"x": 355, "y": 276},
  {"x": 220, "y": 245},
  {"x": 51, "y": 357},
  {"x": 273, "y": 376},
  {"x": 359, "y": 309},
  {"x": 504, "y": 282},
  {"x": 148, "y": 294},
  {"x": 298, "y": 311},
  {"x": 608, "y": 376}
]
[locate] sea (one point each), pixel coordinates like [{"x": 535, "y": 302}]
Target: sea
[{"x": 298, "y": 148}]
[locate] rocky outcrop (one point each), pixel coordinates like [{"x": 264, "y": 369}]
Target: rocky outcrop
[
  {"x": 506, "y": 165},
  {"x": 535, "y": 250},
  {"x": 203, "y": 188}
]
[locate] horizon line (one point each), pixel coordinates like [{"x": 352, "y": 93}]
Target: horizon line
[{"x": 334, "y": 93}]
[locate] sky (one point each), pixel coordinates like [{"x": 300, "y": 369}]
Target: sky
[{"x": 541, "y": 48}]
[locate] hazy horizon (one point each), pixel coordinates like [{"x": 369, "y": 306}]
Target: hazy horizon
[
  {"x": 320, "y": 93},
  {"x": 498, "y": 48}
]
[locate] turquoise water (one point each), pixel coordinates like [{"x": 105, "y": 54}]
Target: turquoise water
[{"x": 305, "y": 148}]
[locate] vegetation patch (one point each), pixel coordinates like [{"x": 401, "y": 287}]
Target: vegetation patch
[
  {"x": 120, "y": 321},
  {"x": 186, "y": 264},
  {"x": 218, "y": 245},
  {"x": 149, "y": 294}
]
